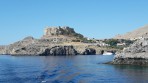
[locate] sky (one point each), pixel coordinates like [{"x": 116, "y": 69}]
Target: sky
[{"x": 93, "y": 18}]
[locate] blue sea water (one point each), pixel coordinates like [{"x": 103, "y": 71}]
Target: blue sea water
[{"x": 68, "y": 69}]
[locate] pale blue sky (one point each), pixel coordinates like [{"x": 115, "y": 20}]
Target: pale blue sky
[{"x": 92, "y": 18}]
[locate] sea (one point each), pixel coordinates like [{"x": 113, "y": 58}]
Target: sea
[{"x": 68, "y": 69}]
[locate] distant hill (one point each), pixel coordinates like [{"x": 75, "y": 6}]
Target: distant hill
[{"x": 136, "y": 34}]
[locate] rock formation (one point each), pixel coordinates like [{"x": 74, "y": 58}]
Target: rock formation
[
  {"x": 136, "y": 54},
  {"x": 89, "y": 51},
  {"x": 55, "y": 31},
  {"x": 3, "y": 49},
  {"x": 27, "y": 46},
  {"x": 60, "y": 51},
  {"x": 61, "y": 33}
]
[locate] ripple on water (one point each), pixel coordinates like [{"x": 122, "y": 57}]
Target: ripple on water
[{"x": 73, "y": 69}]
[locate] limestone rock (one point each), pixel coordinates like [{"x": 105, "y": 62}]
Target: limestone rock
[
  {"x": 28, "y": 50},
  {"x": 61, "y": 34},
  {"x": 56, "y": 31},
  {"x": 136, "y": 54},
  {"x": 60, "y": 51},
  {"x": 3, "y": 49},
  {"x": 89, "y": 51}
]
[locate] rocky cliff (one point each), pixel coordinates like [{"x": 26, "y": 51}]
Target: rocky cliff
[
  {"x": 136, "y": 54},
  {"x": 60, "y": 50},
  {"x": 3, "y": 49},
  {"x": 32, "y": 46}
]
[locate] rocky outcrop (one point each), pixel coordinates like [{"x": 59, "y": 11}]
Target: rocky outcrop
[
  {"x": 3, "y": 49},
  {"x": 136, "y": 54},
  {"x": 60, "y": 51},
  {"x": 54, "y": 31},
  {"x": 27, "y": 46},
  {"x": 27, "y": 50},
  {"x": 61, "y": 34},
  {"x": 58, "y": 31},
  {"x": 130, "y": 61},
  {"x": 89, "y": 51}
]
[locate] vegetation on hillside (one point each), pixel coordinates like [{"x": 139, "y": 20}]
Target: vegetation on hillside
[{"x": 114, "y": 43}]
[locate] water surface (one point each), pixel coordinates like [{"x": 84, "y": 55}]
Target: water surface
[{"x": 68, "y": 69}]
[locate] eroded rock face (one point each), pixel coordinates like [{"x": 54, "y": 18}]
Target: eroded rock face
[
  {"x": 27, "y": 46},
  {"x": 32, "y": 46},
  {"x": 28, "y": 50},
  {"x": 89, "y": 51},
  {"x": 60, "y": 51},
  {"x": 136, "y": 54},
  {"x": 130, "y": 61},
  {"x": 3, "y": 49}
]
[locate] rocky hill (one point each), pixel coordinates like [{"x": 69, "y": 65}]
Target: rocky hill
[
  {"x": 136, "y": 34},
  {"x": 55, "y": 41}
]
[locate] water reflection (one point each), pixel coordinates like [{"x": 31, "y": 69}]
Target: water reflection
[{"x": 134, "y": 74}]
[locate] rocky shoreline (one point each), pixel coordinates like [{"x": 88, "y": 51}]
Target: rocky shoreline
[
  {"x": 56, "y": 41},
  {"x": 42, "y": 47},
  {"x": 33, "y": 47},
  {"x": 136, "y": 54},
  {"x": 129, "y": 61}
]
